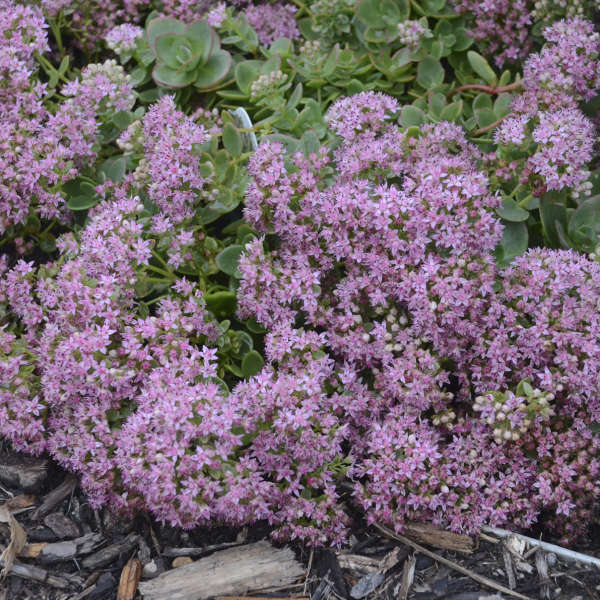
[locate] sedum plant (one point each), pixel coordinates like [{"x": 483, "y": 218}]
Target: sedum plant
[
  {"x": 186, "y": 54},
  {"x": 376, "y": 324}
]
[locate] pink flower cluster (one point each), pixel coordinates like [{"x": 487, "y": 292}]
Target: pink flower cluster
[
  {"x": 400, "y": 279},
  {"x": 547, "y": 114},
  {"x": 168, "y": 143},
  {"x": 33, "y": 161},
  {"x": 134, "y": 406},
  {"x": 41, "y": 148},
  {"x": 272, "y": 21},
  {"x": 501, "y": 27},
  {"x": 565, "y": 71}
]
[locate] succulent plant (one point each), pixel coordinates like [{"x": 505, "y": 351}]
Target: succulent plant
[{"x": 186, "y": 54}]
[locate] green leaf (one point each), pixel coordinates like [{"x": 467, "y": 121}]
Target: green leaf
[
  {"x": 149, "y": 96},
  {"x": 505, "y": 78},
  {"x": 331, "y": 61},
  {"x": 485, "y": 117},
  {"x": 64, "y": 64},
  {"x": 552, "y": 211},
  {"x": 164, "y": 76},
  {"x": 309, "y": 143},
  {"x": 138, "y": 76},
  {"x": 482, "y": 67},
  {"x": 114, "y": 168},
  {"x": 245, "y": 73},
  {"x": 452, "y": 112},
  {"x": 215, "y": 69},
  {"x": 82, "y": 195},
  {"x": 227, "y": 260},
  {"x": 368, "y": 11},
  {"x": 514, "y": 242},
  {"x": 502, "y": 105},
  {"x": 433, "y": 6},
  {"x": 430, "y": 73},
  {"x": 295, "y": 97},
  {"x": 252, "y": 363},
  {"x": 222, "y": 303},
  {"x": 587, "y": 215},
  {"x": 254, "y": 326},
  {"x": 168, "y": 48},
  {"x": 354, "y": 86},
  {"x": 122, "y": 119},
  {"x": 273, "y": 63},
  {"x": 232, "y": 95},
  {"x": 203, "y": 39},
  {"x": 411, "y": 116},
  {"x": 232, "y": 140},
  {"x": 511, "y": 211},
  {"x": 161, "y": 26},
  {"x": 482, "y": 101},
  {"x": 47, "y": 243},
  {"x": 437, "y": 102},
  {"x": 463, "y": 40},
  {"x": 390, "y": 11},
  {"x": 281, "y": 45},
  {"x": 81, "y": 203}
]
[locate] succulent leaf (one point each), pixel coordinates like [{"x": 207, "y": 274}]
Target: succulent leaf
[
  {"x": 215, "y": 69},
  {"x": 161, "y": 26},
  {"x": 165, "y": 76}
]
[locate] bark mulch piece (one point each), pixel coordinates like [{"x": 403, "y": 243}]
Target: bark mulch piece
[{"x": 73, "y": 552}]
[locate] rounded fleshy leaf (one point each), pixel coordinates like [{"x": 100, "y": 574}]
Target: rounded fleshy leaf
[
  {"x": 164, "y": 76},
  {"x": 168, "y": 47},
  {"x": 202, "y": 39},
  {"x": 214, "y": 71},
  {"x": 161, "y": 26}
]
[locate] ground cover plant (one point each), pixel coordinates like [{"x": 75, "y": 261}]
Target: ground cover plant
[{"x": 296, "y": 262}]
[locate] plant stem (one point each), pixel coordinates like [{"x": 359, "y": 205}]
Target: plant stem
[
  {"x": 491, "y": 126},
  {"x": 169, "y": 276},
  {"x": 490, "y": 89}
]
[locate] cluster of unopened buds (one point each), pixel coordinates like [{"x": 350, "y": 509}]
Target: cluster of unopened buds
[
  {"x": 410, "y": 33},
  {"x": 311, "y": 50},
  {"x": 582, "y": 189},
  {"x": 123, "y": 38},
  {"x": 445, "y": 417},
  {"x": 267, "y": 83},
  {"x": 394, "y": 322},
  {"x": 114, "y": 73},
  {"x": 510, "y": 415},
  {"x": 546, "y": 9},
  {"x": 133, "y": 138}
]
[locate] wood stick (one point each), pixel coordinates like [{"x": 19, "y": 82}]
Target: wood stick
[
  {"x": 565, "y": 553},
  {"x": 130, "y": 577},
  {"x": 36, "y": 574},
  {"x": 358, "y": 562},
  {"x": 175, "y": 552},
  {"x": 19, "y": 502},
  {"x": 236, "y": 571},
  {"x": 32, "y": 550},
  {"x": 25, "y": 472},
  {"x": 106, "y": 555},
  {"x": 55, "y": 497},
  {"x": 68, "y": 549},
  {"x": 431, "y": 535},
  {"x": 408, "y": 575},
  {"x": 449, "y": 563},
  {"x": 310, "y": 561}
]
